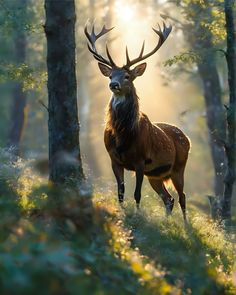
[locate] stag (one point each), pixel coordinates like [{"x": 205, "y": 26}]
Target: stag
[{"x": 156, "y": 150}]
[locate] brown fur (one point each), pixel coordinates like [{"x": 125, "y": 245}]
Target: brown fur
[{"x": 160, "y": 142}]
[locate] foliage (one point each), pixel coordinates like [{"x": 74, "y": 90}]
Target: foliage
[
  {"x": 17, "y": 19},
  {"x": 187, "y": 58},
  {"x": 203, "y": 22},
  {"x": 30, "y": 79},
  {"x": 58, "y": 242},
  {"x": 51, "y": 246}
]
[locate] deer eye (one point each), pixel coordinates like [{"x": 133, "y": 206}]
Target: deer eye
[
  {"x": 126, "y": 77},
  {"x": 110, "y": 76}
]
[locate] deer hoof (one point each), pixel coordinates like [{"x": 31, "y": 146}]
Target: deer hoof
[
  {"x": 121, "y": 199},
  {"x": 169, "y": 207}
]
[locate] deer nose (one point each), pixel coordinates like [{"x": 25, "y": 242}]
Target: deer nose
[{"x": 114, "y": 86}]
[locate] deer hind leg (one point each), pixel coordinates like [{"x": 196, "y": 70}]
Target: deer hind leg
[
  {"x": 119, "y": 174},
  {"x": 167, "y": 199},
  {"x": 178, "y": 182}
]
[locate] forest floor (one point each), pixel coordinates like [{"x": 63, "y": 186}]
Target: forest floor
[{"x": 60, "y": 242}]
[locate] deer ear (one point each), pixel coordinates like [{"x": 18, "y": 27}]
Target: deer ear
[
  {"x": 139, "y": 70},
  {"x": 106, "y": 71}
]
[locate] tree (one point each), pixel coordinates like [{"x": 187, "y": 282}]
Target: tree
[
  {"x": 204, "y": 18},
  {"x": 203, "y": 52},
  {"x": 230, "y": 145},
  {"x": 18, "y": 108},
  {"x": 64, "y": 150},
  {"x": 201, "y": 39}
]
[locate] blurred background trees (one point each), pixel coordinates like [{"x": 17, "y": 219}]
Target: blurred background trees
[
  {"x": 204, "y": 30},
  {"x": 185, "y": 84},
  {"x": 18, "y": 107}
]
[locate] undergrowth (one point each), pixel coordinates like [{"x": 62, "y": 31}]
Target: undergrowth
[{"x": 56, "y": 241}]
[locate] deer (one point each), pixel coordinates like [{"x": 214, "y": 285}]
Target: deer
[{"x": 158, "y": 151}]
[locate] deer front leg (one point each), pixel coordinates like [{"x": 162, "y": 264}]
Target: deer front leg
[
  {"x": 119, "y": 174},
  {"x": 139, "y": 171}
]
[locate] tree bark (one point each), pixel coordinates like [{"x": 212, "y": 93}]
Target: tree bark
[
  {"x": 18, "y": 108},
  {"x": 64, "y": 150},
  {"x": 231, "y": 118},
  {"x": 215, "y": 117}
]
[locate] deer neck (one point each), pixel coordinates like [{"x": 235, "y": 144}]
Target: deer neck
[
  {"x": 125, "y": 109},
  {"x": 117, "y": 101},
  {"x": 123, "y": 118}
]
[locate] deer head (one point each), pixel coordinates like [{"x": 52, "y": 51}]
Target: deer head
[{"x": 122, "y": 77}]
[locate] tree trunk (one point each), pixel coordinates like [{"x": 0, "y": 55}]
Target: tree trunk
[
  {"x": 215, "y": 117},
  {"x": 215, "y": 114},
  {"x": 18, "y": 109},
  {"x": 230, "y": 142},
  {"x": 64, "y": 150}
]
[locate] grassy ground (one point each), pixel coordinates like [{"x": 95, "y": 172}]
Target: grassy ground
[
  {"x": 60, "y": 242},
  {"x": 198, "y": 257}
]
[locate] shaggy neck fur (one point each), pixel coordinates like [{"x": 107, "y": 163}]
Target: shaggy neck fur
[{"x": 123, "y": 118}]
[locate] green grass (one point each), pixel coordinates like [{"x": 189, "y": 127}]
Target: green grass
[
  {"x": 59, "y": 242},
  {"x": 198, "y": 257}
]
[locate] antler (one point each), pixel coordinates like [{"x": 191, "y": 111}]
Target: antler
[
  {"x": 92, "y": 38},
  {"x": 163, "y": 34}
]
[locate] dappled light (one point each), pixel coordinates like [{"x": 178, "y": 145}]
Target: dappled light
[{"x": 117, "y": 177}]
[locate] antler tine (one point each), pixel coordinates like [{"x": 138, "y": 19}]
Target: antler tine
[
  {"x": 164, "y": 25},
  {"x": 92, "y": 38},
  {"x": 127, "y": 55},
  {"x": 87, "y": 33},
  {"x": 163, "y": 34},
  {"x": 142, "y": 49},
  {"x": 97, "y": 56},
  {"x": 93, "y": 32},
  {"x": 109, "y": 56},
  {"x": 104, "y": 30}
]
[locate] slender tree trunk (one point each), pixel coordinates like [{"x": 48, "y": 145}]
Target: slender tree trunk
[
  {"x": 18, "y": 109},
  {"x": 215, "y": 117},
  {"x": 231, "y": 118},
  {"x": 64, "y": 150}
]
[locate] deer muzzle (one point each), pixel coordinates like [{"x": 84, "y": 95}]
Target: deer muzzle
[{"x": 115, "y": 86}]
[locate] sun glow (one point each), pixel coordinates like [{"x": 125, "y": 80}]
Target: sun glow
[{"x": 124, "y": 11}]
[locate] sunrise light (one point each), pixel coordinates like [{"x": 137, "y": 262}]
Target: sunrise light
[{"x": 124, "y": 12}]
